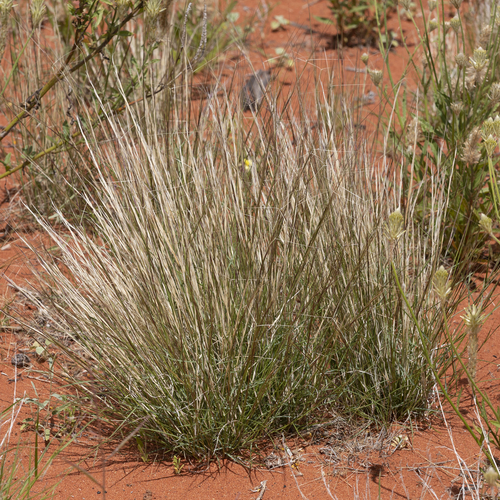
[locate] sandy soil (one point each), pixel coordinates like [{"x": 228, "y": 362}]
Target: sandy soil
[{"x": 404, "y": 462}]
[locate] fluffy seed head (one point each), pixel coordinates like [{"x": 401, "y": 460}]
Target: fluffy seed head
[
  {"x": 441, "y": 283},
  {"x": 364, "y": 58},
  {"x": 376, "y": 76},
  {"x": 494, "y": 94},
  {"x": 490, "y": 145},
  {"x": 432, "y": 5},
  {"x": 486, "y": 223},
  {"x": 461, "y": 60},
  {"x": 433, "y": 24},
  {"x": 455, "y": 24},
  {"x": 447, "y": 26},
  {"x": 488, "y": 128},
  {"x": 471, "y": 153},
  {"x": 456, "y": 3},
  {"x": 406, "y": 4},
  {"x": 484, "y": 37},
  {"x": 479, "y": 60},
  {"x": 491, "y": 477},
  {"x": 5, "y": 8},
  {"x": 395, "y": 225},
  {"x": 496, "y": 126},
  {"x": 153, "y": 9},
  {"x": 456, "y": 107},
  {"x": 473, "y": 319},
  {"x": 38, "y": 11}
]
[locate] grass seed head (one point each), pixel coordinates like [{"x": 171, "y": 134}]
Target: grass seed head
[
  {"x": 395, "y": 225},
  {"x": 479, "y": 60},
  {"x": 406, "y": 5},
  {"x": 494, "y": 94},
  {"x": 491, "y": 477},
  {"x": 461, "y": 60},
  {"x": 485, "y": 35},
  {"x": 433, "y": 24},
  {"x": 38, "y": 10},
  {"x": 496, "y": 126},
  {"x": 457, "y": 107},
  {"x": 441, "y": 283},
  {"x": 473, "y": 320},
  {"x": 486, "y": 223},
  {"x": 376, "y": 76},
  {"x": 488, "y": 128},
  {"x": 490, "y": 145},
  {"x": 455, "y": 24}
]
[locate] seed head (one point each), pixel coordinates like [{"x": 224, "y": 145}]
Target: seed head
[
  {"x": 153, "y": 9},
  {"x": 441, "y": 283},
  {"x": 406, "y": 4},
  {"x": 496, "y": 126},
  {"x": 447, "y": 26},
  {"x": 395, "y": 225},
  {"x": 488, "y": 128},
  {"x": 473, "y": 319},
  {"x": 456, "y": 107},
  {"x": 5, "y": 8},
  {"x": 38, "y": 11},
  {"x": 479, "y": 59},
  {"x": 455, "y": 24},
  {"x": 485, "y": 35},
  {"x": 471, "y": 153},
  {"x": 376, "y": 76},
  {"x": 494, "y": 94},
  {"x": 461, "y": 60},
  {"x": 432, "y": 5},
  {"x": 486, "y": 223},
  {"x": 491, "y": 477},
  {"x": 364, "y": 58},
  {"x": 433, "y": 24},
  {"x": 490, "y": 145},
  {"x": 456, "y": 3}
]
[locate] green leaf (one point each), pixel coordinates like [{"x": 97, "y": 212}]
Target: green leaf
[
  {"x": 324, "y": 20},
  {"x": 124, "y": 33},
  {"x": 232, "y": 17}
]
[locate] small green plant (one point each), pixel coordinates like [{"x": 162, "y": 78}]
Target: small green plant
[
  {"x": 451, "y": 121},
  {"x": 141, "y": 441},
  {"x": 357, "y": 21},
  {"x": 178, "y": 466},
  {"x": 19, "y": 475}
]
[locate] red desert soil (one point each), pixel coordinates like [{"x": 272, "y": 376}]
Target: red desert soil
[{"x": 403, "y": 463}]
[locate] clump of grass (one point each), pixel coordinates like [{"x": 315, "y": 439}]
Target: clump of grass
[
  {"x": 240, "y": 284},
  {"x": 456, "y": 97},
  {"x": 58, "y": 78},
  {"x": 20, "y": 474}
]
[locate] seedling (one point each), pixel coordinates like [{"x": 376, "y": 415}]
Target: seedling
[{"x": 178, "y": 466}]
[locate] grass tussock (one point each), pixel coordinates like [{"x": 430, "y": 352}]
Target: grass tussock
[{"x": 239, "y": 284}]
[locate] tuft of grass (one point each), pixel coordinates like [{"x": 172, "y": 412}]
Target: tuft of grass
[
  {"x": 239, "y": 283},
  {"x": 20, "y": 472}
]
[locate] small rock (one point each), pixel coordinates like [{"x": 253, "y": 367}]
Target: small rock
[
  {"x": 21, "y": 360},
  {"x": 254, "y": 89}
]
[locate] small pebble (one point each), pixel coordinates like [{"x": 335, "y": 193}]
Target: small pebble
[{"x": 21, "y": 360}]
